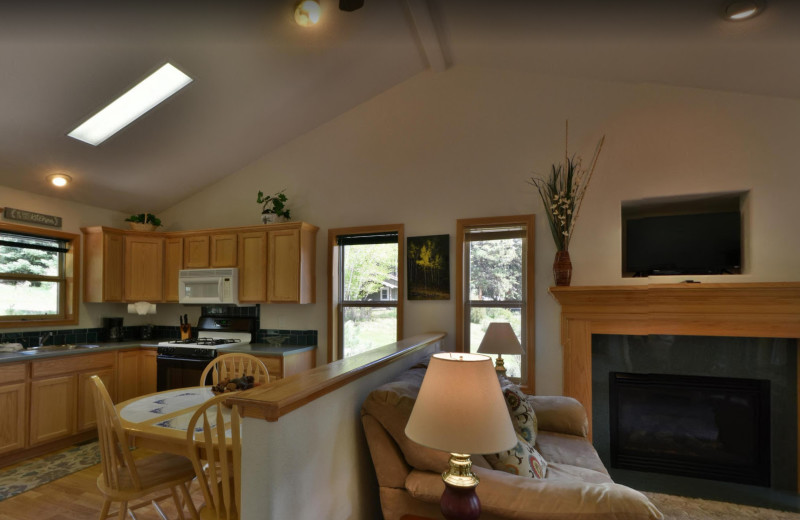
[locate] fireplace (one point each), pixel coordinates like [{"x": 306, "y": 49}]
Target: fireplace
[{"x": 694, "y": 426}]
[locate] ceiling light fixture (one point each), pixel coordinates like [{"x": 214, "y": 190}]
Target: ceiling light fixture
[
  {"x": 739, "y": 10},
  {"x": 59, "y": 179},
  {"x": 151, "y": 91},
  {"x": 307, "y": 13}
]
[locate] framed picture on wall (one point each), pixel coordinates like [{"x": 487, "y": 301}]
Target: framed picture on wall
[{"x": 428, "y": 268}]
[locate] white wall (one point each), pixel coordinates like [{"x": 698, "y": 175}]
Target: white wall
[{"x": 462, "y": 143}]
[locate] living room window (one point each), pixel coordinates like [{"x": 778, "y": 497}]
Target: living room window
[
  {"x": 366, "y": 304},
  {"x": 495, "y": 271},
  {"x": 38, "y": 276}
]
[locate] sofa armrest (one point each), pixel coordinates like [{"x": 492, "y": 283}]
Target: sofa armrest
[{"x": 560, "y": 414}]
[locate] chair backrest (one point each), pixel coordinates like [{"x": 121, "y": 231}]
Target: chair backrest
[
  {"x": 115, "y": 454},
  {"x": 214, "y": 433},
  {"x": 232, "y": 366}
]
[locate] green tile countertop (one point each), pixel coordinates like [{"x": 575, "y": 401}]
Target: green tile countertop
[
  {"x": 265, "y": 349},
  {"x": 11, "y": 357}
]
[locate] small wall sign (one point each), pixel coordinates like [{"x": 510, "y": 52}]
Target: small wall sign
[{"x": 30, "y": 217}]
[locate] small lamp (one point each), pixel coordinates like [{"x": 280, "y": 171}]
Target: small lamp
[
  {"x": 460, "y": 409},
  {"x": 500, "y": 339}
]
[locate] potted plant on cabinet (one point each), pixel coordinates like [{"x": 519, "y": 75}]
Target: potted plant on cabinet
[
  {"x": 143, "y": 222},
  {"x": 274, "y": 207}
]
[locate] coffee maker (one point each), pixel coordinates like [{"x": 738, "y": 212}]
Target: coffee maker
[{"x": 112, "y": 329}]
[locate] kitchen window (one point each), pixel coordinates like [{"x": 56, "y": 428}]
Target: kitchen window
[
  {"x": 495, "y": 272},
  {"x": 38, "y": 277},
  {"x": 364, "y": 312}
]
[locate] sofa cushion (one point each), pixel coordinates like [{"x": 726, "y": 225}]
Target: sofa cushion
[
  {"x": 522, "y": 459},
  {"x": 391, "y": 405},
  {"x": 561, "y": 448},
  {"x": 522, "y": 415}
]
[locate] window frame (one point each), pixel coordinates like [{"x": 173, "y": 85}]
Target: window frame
[
  {"x": 69, "y": 299},
  {"x": 528, "y": 318},
  {"x": 335, "y": 346}
]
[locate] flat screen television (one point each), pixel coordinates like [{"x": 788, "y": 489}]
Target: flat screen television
[{"x": 703, "y": 243}]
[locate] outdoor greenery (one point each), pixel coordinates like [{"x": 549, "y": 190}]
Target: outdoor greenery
[
  {"x": 495, "y": 269},
  {"x": 28, "y": 297},
  {"x": 366, "y": 266}
]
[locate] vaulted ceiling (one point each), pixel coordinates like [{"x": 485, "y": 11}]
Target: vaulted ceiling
[{"x": 260, "y": 80}]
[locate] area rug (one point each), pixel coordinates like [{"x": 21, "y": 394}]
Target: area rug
[
  {"x": 36, "y": 472},
  {"x": 684, "y": 508}
]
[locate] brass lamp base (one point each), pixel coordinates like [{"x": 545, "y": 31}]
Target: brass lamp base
[
  {"x": 459, "y": 500},
  {"x": 500, "y": 365}
]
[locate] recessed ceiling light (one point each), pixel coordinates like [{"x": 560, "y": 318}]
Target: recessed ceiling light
[
  {"x": 739, "y": 10},
  {"x": 151, "y": 91},
  {"x": 307, "y": 13},
  {"x": 59, "y": 179}
]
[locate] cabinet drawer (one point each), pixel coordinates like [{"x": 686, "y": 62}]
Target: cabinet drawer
[
  {"x": 70, "y": 364},
  {"x": 274, "y": 365},
  {"x": 12, "y": 373}
]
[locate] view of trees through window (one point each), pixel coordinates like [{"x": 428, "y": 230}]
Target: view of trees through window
[
  {"x": 368, "y": 272},
  {"x": 30, "y": 275},
  {"x": 496, "y": 287}
]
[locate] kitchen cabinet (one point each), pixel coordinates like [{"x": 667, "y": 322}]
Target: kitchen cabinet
[
  {"x": 147, "y": 371},
  {"x": 287, "y": 364},
  {"x": 173, "y": 263},
  {"x": 87, "y": 417},
  {"x": 253, "y": 266},
  {"x": 52, "y": 408},
  {"x": 290, "y": 266},
  {"x": 13, "y": 407},
  {"x": 196, "y": 252},
  {"x": 128, "y": 370},
  {"x": 144, "y": 267},
  {"x": 223, "y": 250},
  {"x": 103, "y": 250}
]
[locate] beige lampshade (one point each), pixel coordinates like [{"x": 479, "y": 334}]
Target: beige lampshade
[
  {"x": 460, "y": 407},
  {"x": 500, "y": 339}
]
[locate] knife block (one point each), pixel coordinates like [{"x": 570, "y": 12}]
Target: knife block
[{"x": 186, "y": 331}]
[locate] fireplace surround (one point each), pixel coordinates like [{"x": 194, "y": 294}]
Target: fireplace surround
[{"x": 761, "y": 310}]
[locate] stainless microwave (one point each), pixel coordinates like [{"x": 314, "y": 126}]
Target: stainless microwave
[{"x": 209, "y": 286}]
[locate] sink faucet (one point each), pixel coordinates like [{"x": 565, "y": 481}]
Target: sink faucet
[{"x": 43, "y": 338}]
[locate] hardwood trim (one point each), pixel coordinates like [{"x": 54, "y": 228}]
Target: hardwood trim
[
  {"x": 334, "y": 346},
  {"x": 766, "y": 310},
  {"x": 528, "y": 221},
  {"x": 276, "y": 400}
]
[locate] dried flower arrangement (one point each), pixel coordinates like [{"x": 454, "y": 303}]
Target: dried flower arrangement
[{"x": 563, "y": 191}]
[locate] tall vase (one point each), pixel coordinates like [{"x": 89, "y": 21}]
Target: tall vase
[{"x": 562, "y": 268}]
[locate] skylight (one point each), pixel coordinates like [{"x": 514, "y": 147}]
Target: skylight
[{"x": 151, "y": 91}]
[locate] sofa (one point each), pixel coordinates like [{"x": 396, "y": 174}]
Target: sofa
[{"x": 576, "y": 484}]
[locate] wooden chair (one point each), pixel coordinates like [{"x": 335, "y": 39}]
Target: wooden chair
[
  {"x": 218, "y": 468},
  {"x": 235, "y": 365},
  {"x": 125, "y": 479}
]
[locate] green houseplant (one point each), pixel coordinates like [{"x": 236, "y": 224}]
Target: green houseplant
[
  {"x": 273, "y": 207},
  {"x": 143, "y": 222},
  {"x": 562, "y": 194}
]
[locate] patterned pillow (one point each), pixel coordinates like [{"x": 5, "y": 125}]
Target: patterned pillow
[
  {"x": 522, "y": 415},
  {"x": 523, "y": 460}
]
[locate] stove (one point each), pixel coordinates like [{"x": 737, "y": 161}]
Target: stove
[{"x": 180, "y": 362}]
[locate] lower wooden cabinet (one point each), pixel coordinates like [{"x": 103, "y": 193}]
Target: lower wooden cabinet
[
  {"x": 290, "y": 364},
  {"x": 87, "y": 417},
  {"x": 147, "y": 371},
  {"x": 127, "y": 375},
  {"x": 52, "y": 408},
  {"x": 13, "y": 410}
]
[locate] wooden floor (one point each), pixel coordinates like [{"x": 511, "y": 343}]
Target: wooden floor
[{"x": 76, "y": 497}]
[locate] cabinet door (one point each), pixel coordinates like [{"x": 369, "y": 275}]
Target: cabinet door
[
  {"x": 253, "y": 266},
  {"x": 112, "y": 267},
  {"x": 14, "y": 414},
  {"x": 147, "y": 371},
  {"x": 127, "y": 375},
  {"x": 223, "y": 250},
  {"x": 196, "y": 252},
  {"x": 173, "y": 263},
  {"x": 144, "y": 268},
  {"x": 87, "y": 417},
  {"x": 52, "y": 409},
  {"x": 283, "y": 279}
]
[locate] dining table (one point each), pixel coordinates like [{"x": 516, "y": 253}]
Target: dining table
[{"x": 158, "y": 421}]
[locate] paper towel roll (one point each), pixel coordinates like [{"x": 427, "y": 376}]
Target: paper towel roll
[{"x": 142, "y": 308}]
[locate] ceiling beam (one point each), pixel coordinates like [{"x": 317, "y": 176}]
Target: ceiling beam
[{"x": 429, "y": 38}]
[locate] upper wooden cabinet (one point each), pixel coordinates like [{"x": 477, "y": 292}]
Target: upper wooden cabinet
[
  {"x": 144, "y": 268},
  {"x": 276, "y": 262}
]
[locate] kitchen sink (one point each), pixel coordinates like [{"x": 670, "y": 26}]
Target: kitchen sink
[{"x": 56, "y": 348}]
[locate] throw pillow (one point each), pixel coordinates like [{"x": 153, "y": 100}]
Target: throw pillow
[
  {"x": 522, "y": 460},
  {"x": 522, "y": 415}
]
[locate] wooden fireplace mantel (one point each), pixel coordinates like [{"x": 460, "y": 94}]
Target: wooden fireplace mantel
[{"x": 763, "y": 310}]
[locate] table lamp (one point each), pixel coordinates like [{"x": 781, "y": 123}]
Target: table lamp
[
  {"x": 500, "y": 339},
  {"x": 460, "y": 409}
]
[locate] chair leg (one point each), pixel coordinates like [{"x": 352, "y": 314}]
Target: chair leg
[
  {"x": 178, "y": 503},
  {"x": 189, "y": 502},
  {"x": 123, "y": 508},
  {"x": 104, "y": 511}
]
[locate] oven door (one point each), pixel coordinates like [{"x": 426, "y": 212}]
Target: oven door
[{"x": 172, "y": 372}]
